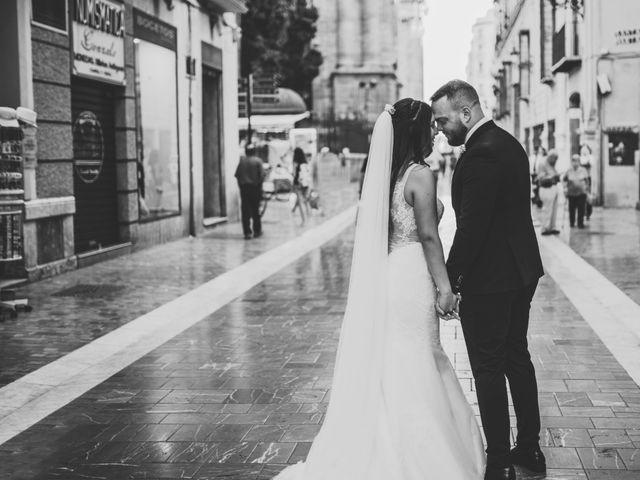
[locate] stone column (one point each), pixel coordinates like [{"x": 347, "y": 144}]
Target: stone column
[
  {"x": 349, "y": 33},
  {"x": 373, "y": 32}
]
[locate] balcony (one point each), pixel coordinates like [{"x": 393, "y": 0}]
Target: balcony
[{"x": 566, "y": 56}]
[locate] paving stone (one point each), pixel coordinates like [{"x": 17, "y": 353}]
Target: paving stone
[
  {"x": 600, "y": 458},
  {"x": 251, "y": 384}
]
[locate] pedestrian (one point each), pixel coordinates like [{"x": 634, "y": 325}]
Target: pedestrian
[
  {"x": 250, "y": 174},
  {"x": 301, "y": 182},
  {"x": 548, "y": 179},
  {"x": 576, "y": 184},
  {"x": 586, "y": 158}
]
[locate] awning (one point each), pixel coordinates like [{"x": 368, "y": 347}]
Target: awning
[
  {"x": 234, "y": 6},
  {"x": 276, "y": 122}
]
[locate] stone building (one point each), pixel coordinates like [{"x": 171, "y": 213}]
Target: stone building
[
  {"x": 568, "y": 79},
  {"x": 410, "y": 71},
  {"x": 481, "y": 59},
  {"x": 135, "y": 144},
  {"x": 364, "y": 58}
]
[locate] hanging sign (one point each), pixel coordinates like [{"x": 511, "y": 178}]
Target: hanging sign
[{"x": 98, "y": 40}]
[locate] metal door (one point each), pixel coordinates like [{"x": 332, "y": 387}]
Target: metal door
[{"x": 94, "y": 176}]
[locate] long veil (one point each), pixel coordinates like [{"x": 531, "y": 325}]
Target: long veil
[{"x": 351, "y": 433}]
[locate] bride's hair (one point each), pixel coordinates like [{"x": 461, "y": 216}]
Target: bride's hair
[{"x": 411, "y": 135}]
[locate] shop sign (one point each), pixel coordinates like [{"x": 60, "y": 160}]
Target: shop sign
[
  {"x": 621, "y": 27},
  {"x": 98, "y": 40},
  {"x": 150, "y": 29},
  {"x": 88, "y": 146}
]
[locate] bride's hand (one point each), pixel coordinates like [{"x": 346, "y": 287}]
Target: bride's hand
[{"x": 447, "y": 305}]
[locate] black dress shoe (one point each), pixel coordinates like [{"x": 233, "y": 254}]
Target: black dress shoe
[
  {"x": 531, "y": 459},
  {"x": 507, "y": 473}
]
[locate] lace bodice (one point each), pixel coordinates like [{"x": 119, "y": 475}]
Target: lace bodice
[{"x": 404, "y": 229}]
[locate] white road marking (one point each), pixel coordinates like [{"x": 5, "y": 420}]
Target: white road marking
[
  {"x": 40, "y": 393},
  {"x": 611, "y": 314}
]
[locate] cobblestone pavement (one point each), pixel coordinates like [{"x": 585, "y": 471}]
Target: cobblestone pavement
[
  {"x": 73, "y": 309},
  {"x": 242, "y": 393},
  {"x": 611, "y": 244}
]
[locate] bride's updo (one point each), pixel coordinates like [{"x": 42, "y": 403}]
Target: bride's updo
[{"x": 411, "y": 135}]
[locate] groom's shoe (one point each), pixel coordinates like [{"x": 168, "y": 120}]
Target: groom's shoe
[
  {"x": 530, "y": 458},
  {"x": 493, "y": 473}
]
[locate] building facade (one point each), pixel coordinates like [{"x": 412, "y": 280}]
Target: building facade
[
  {"x": 567, "y": 79},
  {"x": 481, "y": 59},
  {"x": 410, "y": 70},
  {"x": 362, "y": 66},
  {"x": 136, "y": 143}
]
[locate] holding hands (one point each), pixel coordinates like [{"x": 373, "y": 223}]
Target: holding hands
[{"x": 447, "y": 305}]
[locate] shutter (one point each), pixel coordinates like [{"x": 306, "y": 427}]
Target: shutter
[{"x": 94, "y": 176}]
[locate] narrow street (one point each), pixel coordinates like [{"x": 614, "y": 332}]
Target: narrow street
[{"x": 241, "y": 392}]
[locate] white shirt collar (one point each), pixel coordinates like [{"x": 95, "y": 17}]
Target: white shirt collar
[{"x": 473, "y": 129}]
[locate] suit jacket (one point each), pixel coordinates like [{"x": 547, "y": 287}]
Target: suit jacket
[{"x": 495, "y": 248}]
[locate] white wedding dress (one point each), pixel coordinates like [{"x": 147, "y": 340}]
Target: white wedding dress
[{"x": 397, "y": 411}]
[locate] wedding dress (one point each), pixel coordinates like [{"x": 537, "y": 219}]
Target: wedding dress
[{"x": 397, "y": 411}]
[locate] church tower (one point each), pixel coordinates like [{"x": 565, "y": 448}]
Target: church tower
[{"x": 359, "y": 42}]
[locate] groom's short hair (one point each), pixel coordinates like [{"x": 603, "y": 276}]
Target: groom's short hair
[{"x": 457, "y": 92}]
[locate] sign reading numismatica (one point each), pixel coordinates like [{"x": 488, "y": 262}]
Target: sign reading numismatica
[{"x": 98, "y": 40}]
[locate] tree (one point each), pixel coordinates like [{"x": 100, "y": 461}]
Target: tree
[{"x": 277, "y": 40}]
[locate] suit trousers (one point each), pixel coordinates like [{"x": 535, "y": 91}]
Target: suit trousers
[
  {"x": 250, "y": 196},
  {"x": 495, "y": 331}
]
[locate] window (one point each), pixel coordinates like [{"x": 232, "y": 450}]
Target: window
[
  {"x": 525, "y": 65},
  {"x": 50, "y": 13},
  {"x": 551, "y": 134},
  {"x": 547, "y": 28},
  {"x": 157, "y": 112},
  {"x": 622, "y": 148}
]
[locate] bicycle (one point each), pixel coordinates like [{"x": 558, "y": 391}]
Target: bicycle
[{"x": 276, "y": 186}]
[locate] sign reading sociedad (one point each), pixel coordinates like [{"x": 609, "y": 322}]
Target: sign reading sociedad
[{"x": 98, "y": 40}]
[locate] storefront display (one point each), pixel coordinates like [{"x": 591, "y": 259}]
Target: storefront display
[
  {"x": 155, "y": 55},
  {"x": 11, "y": 186}
]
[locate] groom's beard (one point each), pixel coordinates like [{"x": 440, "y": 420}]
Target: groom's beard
[{"x": 457, "y": 136}]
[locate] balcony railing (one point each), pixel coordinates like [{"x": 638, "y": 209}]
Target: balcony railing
[{"x": 566, "y": 54}]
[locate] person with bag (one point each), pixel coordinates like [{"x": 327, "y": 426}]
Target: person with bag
[
  {"x": 548, "y": 179},
  {"x": 301, "y": 183}
]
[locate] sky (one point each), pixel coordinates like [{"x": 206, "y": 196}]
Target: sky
[{"x": 448, "y": 38}]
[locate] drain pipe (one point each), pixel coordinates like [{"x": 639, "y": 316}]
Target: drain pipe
[{"x": 191, "y": 74}]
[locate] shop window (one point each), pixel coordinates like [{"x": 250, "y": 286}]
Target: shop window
[
  {"x": 551, "y": 134},
  {"x": 622, "y": 148},
  {"x": 156, "y": 92},
  {"x": 50, "y": 13}
]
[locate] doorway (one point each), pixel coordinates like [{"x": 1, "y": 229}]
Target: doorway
[
  {"x": 212, "y": 158},
  {"x": 94, "y": 176}
]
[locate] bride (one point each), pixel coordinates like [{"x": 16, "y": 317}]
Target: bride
[{"x": 397, "y": 411}]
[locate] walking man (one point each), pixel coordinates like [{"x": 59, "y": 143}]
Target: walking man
[{"x": 250, "y": 174}]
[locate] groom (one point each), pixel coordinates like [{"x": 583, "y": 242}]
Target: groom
[{"x": 495, "y": 264}]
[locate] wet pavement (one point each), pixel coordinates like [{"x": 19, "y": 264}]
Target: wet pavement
[
  {"x": 73, "y": 309},
  {"x": 611, "y": 244},
  {"x": 242, "y": 393}
]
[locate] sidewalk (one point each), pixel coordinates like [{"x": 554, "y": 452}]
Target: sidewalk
[
  {"x": 75, "y": 308},
  {"x": 611, "y": 243},
  {"x": 242, "y": 393}
]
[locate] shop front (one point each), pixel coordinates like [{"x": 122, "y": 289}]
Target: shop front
[{"x": 135, "y": 145}]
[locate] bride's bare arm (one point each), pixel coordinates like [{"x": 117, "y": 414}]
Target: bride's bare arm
[{"x": 420, "y": 192}]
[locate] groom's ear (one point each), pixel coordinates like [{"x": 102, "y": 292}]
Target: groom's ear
[{"x": 465, "y": 114}]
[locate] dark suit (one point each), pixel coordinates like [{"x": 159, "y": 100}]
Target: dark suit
[{"x": 495, "y": 263}]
